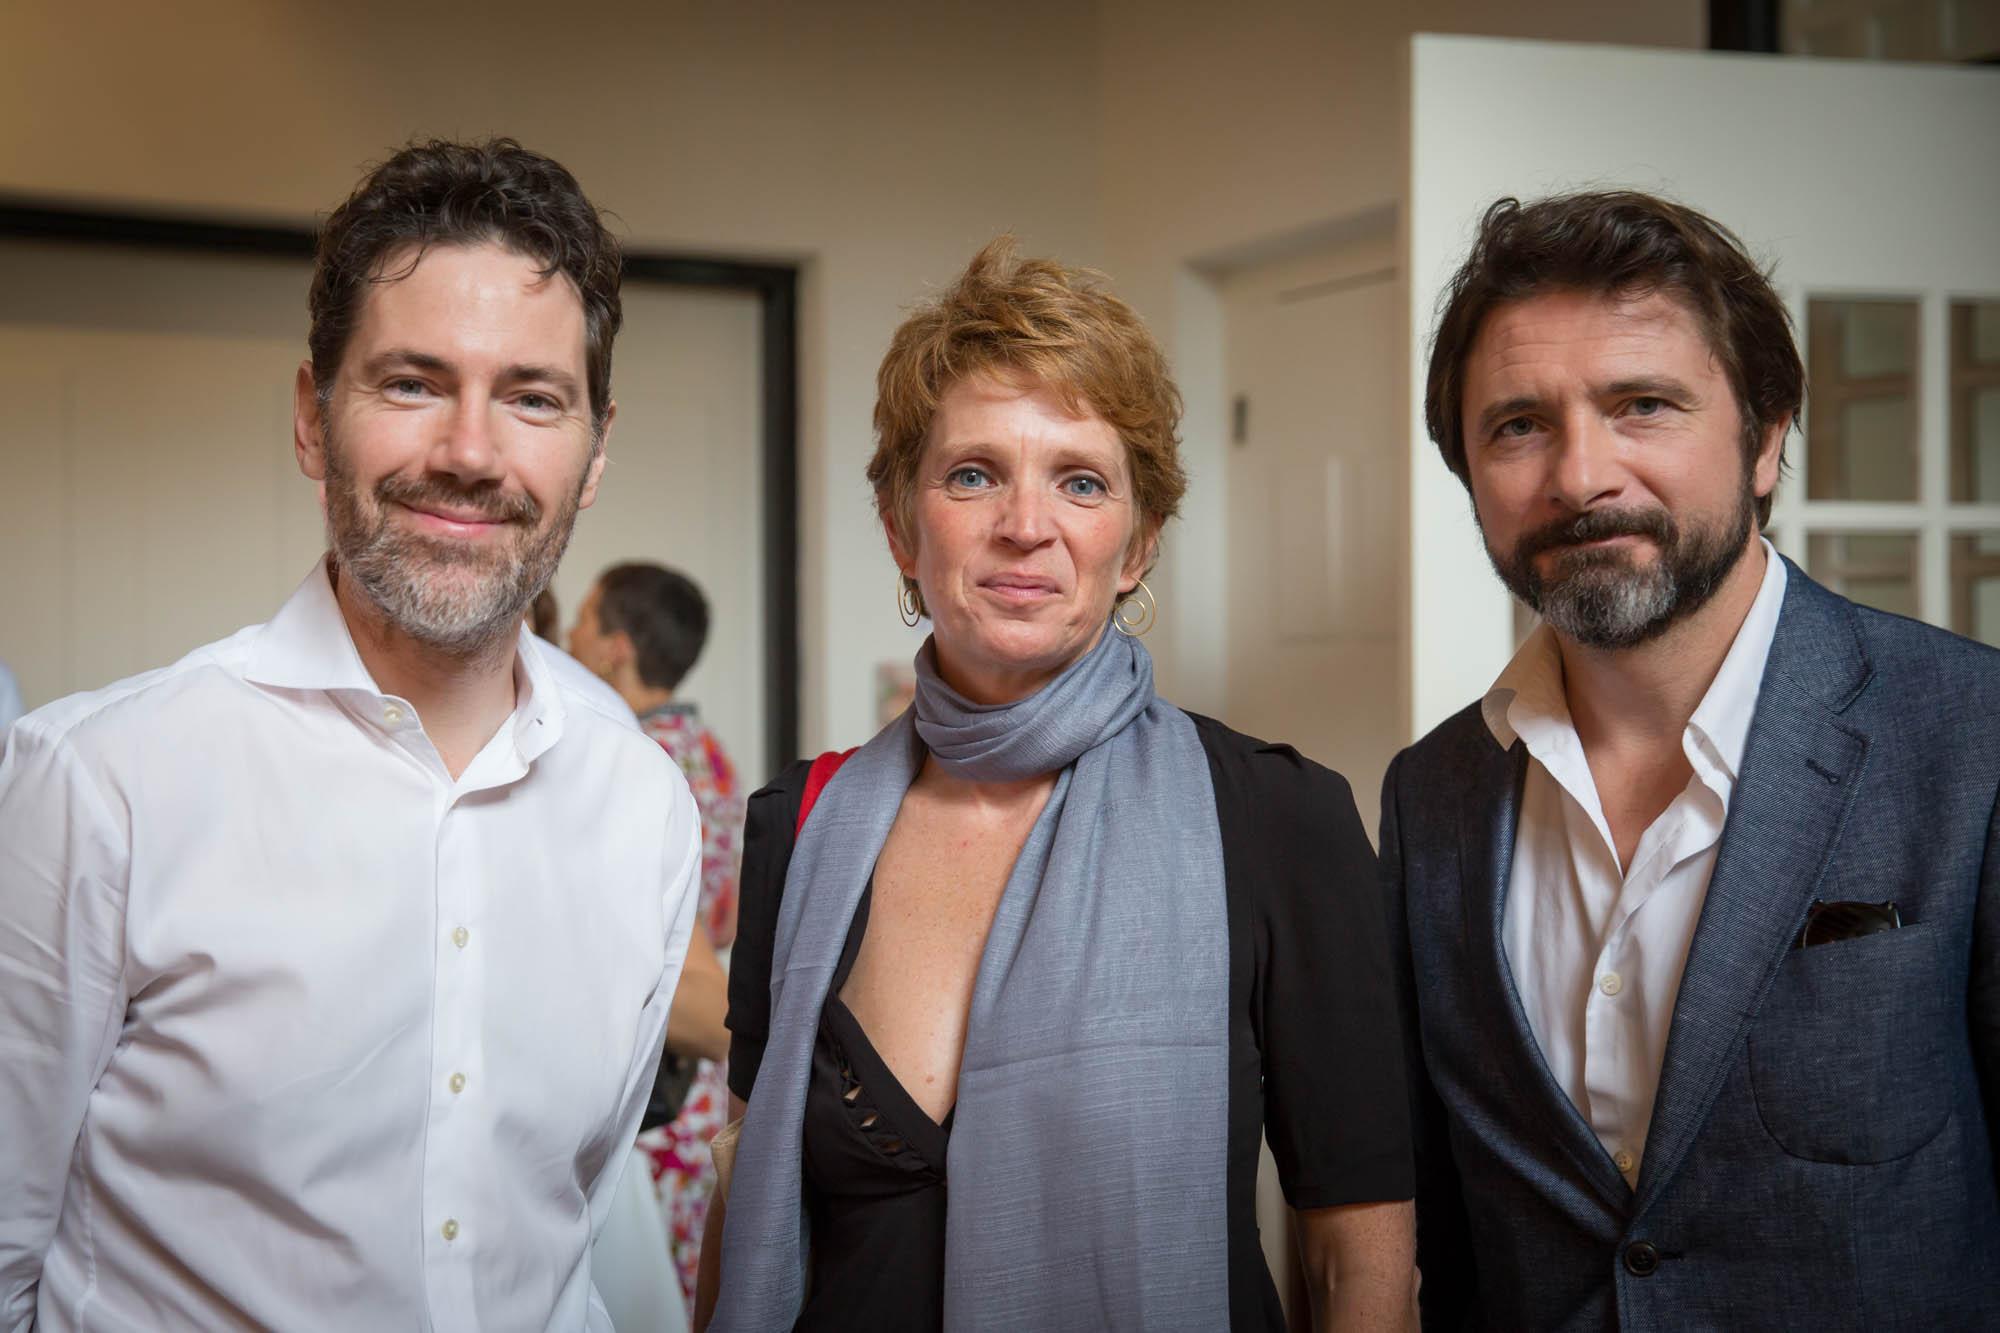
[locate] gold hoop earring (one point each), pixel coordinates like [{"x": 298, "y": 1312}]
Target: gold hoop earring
[
  {"x": 909, "y": 600},
  {"x": 1136, "y": 612}
]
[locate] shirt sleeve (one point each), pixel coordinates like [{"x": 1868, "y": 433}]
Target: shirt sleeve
[
  {"x": 64, "y": 873},
  {"x": 1335, "y": 1102},
  {"x": 769, "y": 820},
  {"x": 680, "y": 884}
]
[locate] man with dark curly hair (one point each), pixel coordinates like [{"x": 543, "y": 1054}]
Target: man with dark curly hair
[
  {"x": 335, "y": 958},
  {"x": 1697, "y": 910}
]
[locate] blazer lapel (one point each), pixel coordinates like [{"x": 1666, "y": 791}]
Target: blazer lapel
[
  {"x": 1802, "y": 767},
  {"x": 1490, "y": 818}
]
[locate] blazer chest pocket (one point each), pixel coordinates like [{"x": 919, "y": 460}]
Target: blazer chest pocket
[{"x": 1847, "y": 1057}]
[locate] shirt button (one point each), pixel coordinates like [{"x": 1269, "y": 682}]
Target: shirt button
[
  {"x": 1641, "y": 1259},
  {"x": 460, "y": 936},
  {"x": 1610, "y": 983},
  {"x": 458, "y": 1085},
  {"x": 450, "y": 1228},
  {"x": 392, "y": 714},
  {"x": 1623, "y": 1161}
]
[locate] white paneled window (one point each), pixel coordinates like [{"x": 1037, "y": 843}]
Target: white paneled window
[
  {"x": 1894, "y": 497},
  {"x": 1892, "y": 29}
]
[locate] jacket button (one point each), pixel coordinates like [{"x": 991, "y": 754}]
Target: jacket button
[{"x": 1641, "y": 1259}]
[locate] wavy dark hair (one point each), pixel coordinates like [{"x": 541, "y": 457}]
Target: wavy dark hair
[
  {"x": 662, "y": 612},
  {"x": 1620, "y": 243},
  {"x": 443, "y": 193}
]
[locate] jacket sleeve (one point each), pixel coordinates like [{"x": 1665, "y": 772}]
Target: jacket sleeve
[
  {"x": 1444, "y": 1245},
  {"x": 1983, "y": 992},
  {"x": 64, "y": 872}
]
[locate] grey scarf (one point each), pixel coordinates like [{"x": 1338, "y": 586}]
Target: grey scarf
[{"x": 1089, "y": 1151}]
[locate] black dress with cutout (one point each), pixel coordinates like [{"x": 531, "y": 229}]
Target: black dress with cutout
[{"x": 1315, "y": 1048}]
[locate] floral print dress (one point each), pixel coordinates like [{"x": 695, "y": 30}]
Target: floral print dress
[{"x": 683, "y": 1174}]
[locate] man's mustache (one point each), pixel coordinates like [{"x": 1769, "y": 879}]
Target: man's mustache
[
  {"x": 489, "y": 503},
  {"x": 1598, "y": 525}
]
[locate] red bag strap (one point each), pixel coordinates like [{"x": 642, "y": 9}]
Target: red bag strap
[{"x": 821, "y": 772}]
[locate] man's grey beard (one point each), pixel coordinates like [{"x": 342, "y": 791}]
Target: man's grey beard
[
  {"x": 1602, "y": 599},
  {"x": 460, "y": 599}
]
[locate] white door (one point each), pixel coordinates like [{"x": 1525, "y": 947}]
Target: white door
[
  {"x": 683, "y": 486},
  {"x": 1314, "y": 647},
  {"x": 1315, "y": 639},
  {"x": 149, "y": 501},
  {"x": 1871, "y": 187}
]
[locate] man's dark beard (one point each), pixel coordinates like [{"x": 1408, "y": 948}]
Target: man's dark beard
[
  {"x": 457, "y": 597},
  {"x": 1601, "y": 598}
]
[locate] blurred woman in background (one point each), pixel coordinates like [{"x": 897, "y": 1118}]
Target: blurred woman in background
[{"x": 641, "y": 628}]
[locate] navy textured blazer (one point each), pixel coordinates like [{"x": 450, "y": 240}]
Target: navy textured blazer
[{"x": 1821, "y": 1154}]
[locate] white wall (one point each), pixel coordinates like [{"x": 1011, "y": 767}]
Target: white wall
[
  {"x": 141, "y": 508},
  {"x": 880, "y": 143},
  {"x": 1849, "y": 176}
]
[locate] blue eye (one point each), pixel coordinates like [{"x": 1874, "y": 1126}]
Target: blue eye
[
  {"x": 1084, "y": 487},
  {"x": 1648, "y": 407},
  {"x": 407, "y": 388},
  {"x": 970, "y": 477},
  {"x": 1515, "y": 428}
]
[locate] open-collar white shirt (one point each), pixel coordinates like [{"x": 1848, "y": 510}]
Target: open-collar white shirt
[
  {"x": 1597, "y": 949},
  {"x": 296, "y": 1030}
]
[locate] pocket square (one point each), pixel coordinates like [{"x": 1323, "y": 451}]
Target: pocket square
[{"x": 1827, "y": 922}]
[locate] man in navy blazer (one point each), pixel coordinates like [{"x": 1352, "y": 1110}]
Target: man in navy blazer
[{"x": 1697, "y": 911}]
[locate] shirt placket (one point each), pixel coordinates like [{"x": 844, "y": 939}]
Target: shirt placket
[
  {"x": 452, "y": 1227},
  {"x": 1613, "y": 1014},
  {"x": 1607, "y": 1040}
]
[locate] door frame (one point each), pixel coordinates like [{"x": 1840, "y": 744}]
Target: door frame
[{"x": 775, "y": 285}]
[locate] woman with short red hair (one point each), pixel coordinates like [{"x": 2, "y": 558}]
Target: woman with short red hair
[{"x": 1018, "y": 986}]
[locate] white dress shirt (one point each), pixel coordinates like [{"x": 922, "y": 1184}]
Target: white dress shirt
[
  {"x": 298, "y": 1031},
  {"x": 1597, "y": 949}
]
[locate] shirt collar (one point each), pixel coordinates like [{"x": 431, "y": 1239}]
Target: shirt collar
[
  {"x": 538, "y": 707},
  {"x": 1527, "y": 700},
  {"x": 1529, "y": 689},
  {"x": 307, "y": 646},
  {"x": 1723, "y": 716}
]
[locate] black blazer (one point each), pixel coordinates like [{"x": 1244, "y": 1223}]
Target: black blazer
[
  {"x": 1821, "y": 1153},
  {"x": 1315, "y": 1060}
]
